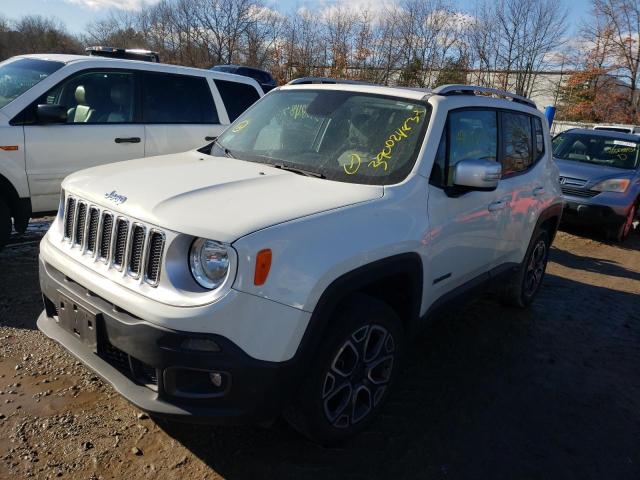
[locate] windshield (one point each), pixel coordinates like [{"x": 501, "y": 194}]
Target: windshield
[
  {"x": 18, "y": 76},
  {"x": 345, "y": 136},
  {"x": 600, "y": 150}
]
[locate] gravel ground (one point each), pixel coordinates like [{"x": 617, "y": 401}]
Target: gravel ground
[{"x": 487, "y": 392}]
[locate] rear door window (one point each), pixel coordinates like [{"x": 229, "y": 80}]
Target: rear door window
[
  {"x": 517, "y": 142},
  {"x": 237, "y": 97},
  {"x": 169, "y": 98}
]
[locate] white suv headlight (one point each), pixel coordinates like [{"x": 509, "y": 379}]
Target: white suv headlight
[
  {"x": 612, "y": 185},
  {"x": 209, "y": 262}
]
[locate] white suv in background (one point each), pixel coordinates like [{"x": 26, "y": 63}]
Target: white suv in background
[
  {"x": 285, "y": 267},
  {"x": 63, "y": 113}
]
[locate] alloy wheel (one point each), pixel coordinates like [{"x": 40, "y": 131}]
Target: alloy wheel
[
  {"x": 358, "y": 375},
  {"x": 535, "y": 268}
]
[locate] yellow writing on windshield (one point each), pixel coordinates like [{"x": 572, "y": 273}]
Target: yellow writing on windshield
[
  {"x": 395, "y": 138},
  {"x": 354, "y": 164},
  {"x": 241, "y": 126},
  {"x": 298, "y": 111}
]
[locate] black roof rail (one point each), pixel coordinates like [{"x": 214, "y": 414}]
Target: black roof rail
[
  {"x": 455, "y": 89},
  {"x": 308, "y": 80},
  {"x": 123, "y": 53}
]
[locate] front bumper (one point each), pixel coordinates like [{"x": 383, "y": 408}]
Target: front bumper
[
  {"x": 148, "y": 365},
  {"x": 584, "y": 212}
]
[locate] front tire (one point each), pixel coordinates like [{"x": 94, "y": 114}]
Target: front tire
[
  {"x": 5, "y": 223},
  {"x": 352, "y": 376},
  {"x": 623, "y": 230},
  {"x": 525, "y": 283}
]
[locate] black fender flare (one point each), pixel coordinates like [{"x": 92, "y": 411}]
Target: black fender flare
[{"x": 357, "y": 280}]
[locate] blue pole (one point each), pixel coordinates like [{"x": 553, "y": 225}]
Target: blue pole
[{"x": 550, "y": 113}]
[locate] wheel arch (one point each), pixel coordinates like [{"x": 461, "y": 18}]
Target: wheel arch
[
  {"x": 396, "y": 280},
  {"x": 20, "y": 208},
  {"x": 549, "y": 220}
]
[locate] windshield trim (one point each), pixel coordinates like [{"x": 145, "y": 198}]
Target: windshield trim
[{"x": 397, "y": 177}]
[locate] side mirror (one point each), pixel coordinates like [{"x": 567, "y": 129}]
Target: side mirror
[
  {"x": 477, "y": 174},
  {"x": 47, "y": 114}
]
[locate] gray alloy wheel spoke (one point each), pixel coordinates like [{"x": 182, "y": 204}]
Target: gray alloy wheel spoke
[
  {"x": 362, "y": 403},
  {"x": 379, "y": 393},
  {"x": 329, "y": 385},
  {"x": 346, "y": 360},
  {"x": 337, "y": 401},
  {"x": 374, "y": 343},
  {"x": 379, "y": 372}
]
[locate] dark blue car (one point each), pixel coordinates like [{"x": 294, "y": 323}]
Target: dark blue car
[{"x": 600, "y": 178}]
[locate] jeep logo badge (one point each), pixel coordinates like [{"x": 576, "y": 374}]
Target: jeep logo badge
[{"x": 115, "y": 197}]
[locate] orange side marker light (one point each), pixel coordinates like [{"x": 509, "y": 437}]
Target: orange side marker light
[
  {"x": 263, "y": 265},
  {"x": 9, "y": 148}
]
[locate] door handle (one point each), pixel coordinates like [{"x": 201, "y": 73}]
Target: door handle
[
  {"x": 210, "y": 139},
  {"x": 538, "y": 191},
  {"x": 499, "y": 205},
  {"x": 128, "y": 140}
]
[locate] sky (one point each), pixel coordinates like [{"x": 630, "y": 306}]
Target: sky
[{"x": 77, "y": 13}]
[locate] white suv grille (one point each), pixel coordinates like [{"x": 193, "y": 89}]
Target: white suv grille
[{"x": 121, "y": 243}]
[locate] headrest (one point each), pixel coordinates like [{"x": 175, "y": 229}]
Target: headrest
[
  {"x": 121, "y": 94},
  {"x": 81, "y": 95}
]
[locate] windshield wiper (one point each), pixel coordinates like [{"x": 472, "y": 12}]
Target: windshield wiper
[
  {"x": 299, "y": 171},
  {"x": 224, "y": 149}
]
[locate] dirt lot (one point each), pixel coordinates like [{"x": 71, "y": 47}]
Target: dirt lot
[{"x": 487, "y": 392}]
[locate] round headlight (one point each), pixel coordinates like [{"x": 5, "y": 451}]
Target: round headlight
[{"x": 209, "y": 262}]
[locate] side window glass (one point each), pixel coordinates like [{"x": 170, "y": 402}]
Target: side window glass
[
  {"x": 517, "y": 142},
  {"x": 439, "y": 164},
  {"x": 96, "y": 97},
  {"x": 237, "y": 97},
  {"x": 537, "y": 125},
  {"x": 473, "y": 134},
  {"x": 168, "y": 98}
]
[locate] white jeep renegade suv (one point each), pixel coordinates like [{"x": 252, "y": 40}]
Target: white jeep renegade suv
[
  {"x": 285, "y": 267},
  {"x": 63, "y": 113}
]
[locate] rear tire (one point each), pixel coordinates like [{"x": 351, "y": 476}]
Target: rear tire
[
  {"x": 352, "y": 375},
  {"x": 523, "y": 286},
  {"x": 5, "y": 223}
]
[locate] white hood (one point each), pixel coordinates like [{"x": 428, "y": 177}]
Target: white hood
[{"x": 212, "y": 197}]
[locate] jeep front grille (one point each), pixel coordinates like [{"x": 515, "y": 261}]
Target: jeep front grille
[
  {"x": 81, "y": 220},
  {"x": 69, "y": 215},
  {"x": 136, "y": 249},
  {"x": 118, "y": 241},
  {"x": 152, "y": 267},
  {"x": 92, "y": 234},
  {"x": 105, "y": 237},
  {"x": 122, "y": 234}
]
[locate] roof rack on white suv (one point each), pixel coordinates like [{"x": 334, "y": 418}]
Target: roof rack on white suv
[
  {"x": 307, "y": 80},
  {"x": 457, "y": 89}
]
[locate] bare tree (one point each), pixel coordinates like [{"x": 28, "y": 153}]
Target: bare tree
[
  {"x": 621, "y": 18},
  {"x": 514, "y": 39}
]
